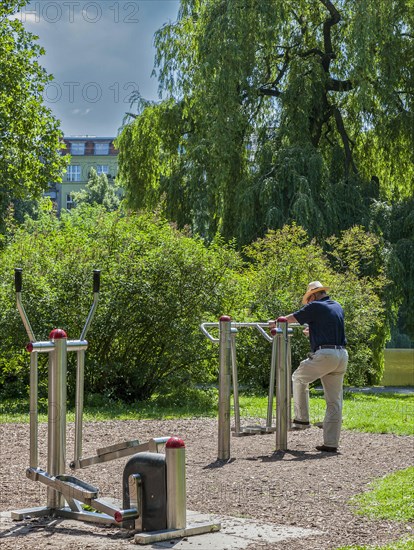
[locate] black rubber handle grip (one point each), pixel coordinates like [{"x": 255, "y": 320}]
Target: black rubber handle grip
[
  {"x": 18, "y": 278},
  {"x": 96, "y": 280}
]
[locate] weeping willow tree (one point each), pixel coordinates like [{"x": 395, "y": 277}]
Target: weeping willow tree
[{"x": 273, "y": 111}]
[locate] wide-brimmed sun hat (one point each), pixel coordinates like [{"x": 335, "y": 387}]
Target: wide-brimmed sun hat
[{"x": 313, "y": 287}]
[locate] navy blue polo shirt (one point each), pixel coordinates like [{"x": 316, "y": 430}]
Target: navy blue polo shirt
[{"x": 325, "y": 318}]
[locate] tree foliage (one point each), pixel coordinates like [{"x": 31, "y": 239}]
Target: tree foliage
[
  {"x": 276, "y": 111},
  {"x": 158, "y": 286},
  {"x": 280, "y": 268},
  {"x": 396, "y": 224},
  {"x": 97, "y": 191},
  {"x": 29, "y": 134}
]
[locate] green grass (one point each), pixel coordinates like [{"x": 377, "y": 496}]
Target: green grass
[
  {"x": 193, "y": 404},
  {"x": 12, "y": 411},
  {"x": 376, "y": 413},
  {"x": 391, "y": 497},
  {"x": 403, "y": 544},
  {"x": 379, "y": 413}
]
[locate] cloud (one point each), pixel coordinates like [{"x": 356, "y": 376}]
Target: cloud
[{"x": 99, "y": 52}]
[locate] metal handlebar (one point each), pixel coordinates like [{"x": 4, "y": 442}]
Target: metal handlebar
[
  {"x": 96, "y": 280},
  {"x": 18, "y": 283},
  {"x": 207, "y": 334},
  {"x": 18, "y": 271},
  {"x": 234, "y": 325},
  {"x": 259, "y": 326},
  {"x": 96, "y": 287}
]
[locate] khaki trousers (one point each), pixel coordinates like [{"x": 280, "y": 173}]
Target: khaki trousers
[{"x": 329, "y": 365}]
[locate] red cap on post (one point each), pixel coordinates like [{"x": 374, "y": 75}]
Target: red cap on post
[
  {"x": 57, "y": 334},
  {"x": 273, "y": 331},
  {"x": 225, "y": 318},
  {"x": 175, "y": 443},
  {"x": 281, "y": 320},
  {"x": 29, "y": 347}
]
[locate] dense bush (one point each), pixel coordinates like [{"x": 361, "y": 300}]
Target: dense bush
[
  {"x": 283, "y": 263},
  {"x": 158, "y": 284}
]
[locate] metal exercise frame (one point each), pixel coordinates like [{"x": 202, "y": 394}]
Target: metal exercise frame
[
  {"x": 63, "y": 488},
  {"x": 280, "y": 376}
]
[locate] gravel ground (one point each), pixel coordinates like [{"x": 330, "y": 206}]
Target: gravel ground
[{"x": 300, "y": 487}]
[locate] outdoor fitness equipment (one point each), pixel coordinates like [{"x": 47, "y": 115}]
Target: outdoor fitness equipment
[
  {"x": 280, "y": 375},
  {"x": 153, "y": 486}
]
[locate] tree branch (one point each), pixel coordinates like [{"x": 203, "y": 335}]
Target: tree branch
[
  {"x": 265, "y": 90},
  {"x": 271, "y": 89},
  {"x": 312, "y": 51},
  {"x": 334, "y": 85},
  {"x": 328, "y": 131},
  {"x": 349, "y": 161},
  {"x": 334, "y": 19}
]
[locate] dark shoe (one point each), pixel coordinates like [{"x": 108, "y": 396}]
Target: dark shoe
[
  {"x": 326, "y": 449},
  {"x": 299, "y": 425},
  {"x": 318, "y": 424}
]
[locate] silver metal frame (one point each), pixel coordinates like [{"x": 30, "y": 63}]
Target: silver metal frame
[
  {"x": 282, "y": 383},
  {"x": 224, "y": 389},
  {"x": 56, "y": 439},
  {"x": 61, "y": 488},
  {"x": 176, "y": 487},
  {"x": 75, "y": 492},
  {"x": 235, "y": 377},
  {"x": 279, "y": 376}
]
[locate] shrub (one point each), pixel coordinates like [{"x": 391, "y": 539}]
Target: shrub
[
  {"x": 283, "y": 263},
  {"x": 157, "y": 286}
]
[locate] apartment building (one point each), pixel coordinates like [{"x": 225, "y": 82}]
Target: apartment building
[{"x": 86, "y": 152}]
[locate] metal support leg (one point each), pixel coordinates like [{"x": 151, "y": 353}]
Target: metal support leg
[
  {"x": 34, "y": 437},
  {"x": 176, "y": 484},
  {"x": 236, "y": 403},
  {"x": 57, "y": 417},
  {"x": 281, "y": 388},
  {"x": 289, "y": 380},
  {"x": 224, "y": 389},
  {"x": 272, "y": 380},
  {"x": 80, "y": 376}
]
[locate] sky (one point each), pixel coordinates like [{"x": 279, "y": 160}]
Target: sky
[{"x": 98, "y": 52}]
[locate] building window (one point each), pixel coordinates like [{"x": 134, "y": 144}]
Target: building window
[
  {"x": 101, "y": 148},
  {"x": 77, "y": 148},
  {"x": 102, "y": 169},
  {"x": 73, "y": 173},
  {"x": 70, "y": 203}
]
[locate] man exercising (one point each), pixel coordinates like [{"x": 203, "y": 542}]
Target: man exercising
[{"x": 328, "y": 361}]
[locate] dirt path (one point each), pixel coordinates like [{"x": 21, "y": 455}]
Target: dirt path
[{"x": 301, "y": 487}]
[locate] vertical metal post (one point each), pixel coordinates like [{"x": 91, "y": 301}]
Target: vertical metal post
[
  {"x": 224, "y": 388},
  {"x": 289, "y": 379},
  {"x": 272, "y": 378},
  {"x": 281, "y": 386},
  {"x": 18, "y": 282},
  {"x": 57, "y": 413},
  {"x": 80, "y": 369},
  {"x": 236, "y": 404},
  {"x": 96, "y": 288},
  {"x": 80, "y": 377},
  {"x": 176, "y": 487},
  {"x": 34, "y": 438}
]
